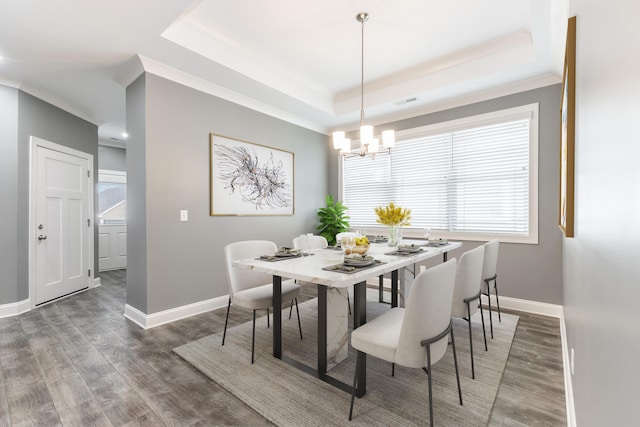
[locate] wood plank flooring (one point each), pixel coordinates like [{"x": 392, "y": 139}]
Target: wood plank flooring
[{"x": 79, "y": 362}]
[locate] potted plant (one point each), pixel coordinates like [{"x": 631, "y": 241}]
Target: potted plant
[{"x": 332, "y": 220}]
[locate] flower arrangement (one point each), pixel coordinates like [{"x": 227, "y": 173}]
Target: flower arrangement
[{"x": 393, "y": 215}]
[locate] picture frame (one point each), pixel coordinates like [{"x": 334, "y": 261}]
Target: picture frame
[
  {"x": 249, "y": 179},
  {"x": 567, "y": 134}
]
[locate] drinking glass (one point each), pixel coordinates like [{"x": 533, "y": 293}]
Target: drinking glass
[
  {"x": 426, "y": 232},
  {"x": 348, "y": 243}
]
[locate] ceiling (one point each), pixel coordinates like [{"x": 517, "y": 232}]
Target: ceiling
[{"x": 299, "y": 61}]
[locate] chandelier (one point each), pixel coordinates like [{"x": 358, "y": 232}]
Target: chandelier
[{"x": 369, "y": 145}]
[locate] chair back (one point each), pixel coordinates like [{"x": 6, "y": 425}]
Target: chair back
[
  {"x": 427, "y": 314},
  {"x": 468, "y": 280},
  {"x": 313, "y": 242},
  {"x": 240, "y": 279},
  {"x": 339, "y": 236},
  {"x": 490, "y": 265}
]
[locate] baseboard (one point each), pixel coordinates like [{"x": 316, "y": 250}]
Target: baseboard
[
  {"x": 568, "y": 384},
  {"x": 15, "y": 308},
  {"x": 96, "y": 282},
  {"x": 533, "y": 307},
  {"x": 147, "y": 321}
]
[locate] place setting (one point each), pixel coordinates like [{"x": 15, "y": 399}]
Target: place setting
[{"x": 282, "y": 254}]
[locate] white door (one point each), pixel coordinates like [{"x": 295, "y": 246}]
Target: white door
[
  {"x": 62, "y": 221},
  {"x": 112, "y": 247}
]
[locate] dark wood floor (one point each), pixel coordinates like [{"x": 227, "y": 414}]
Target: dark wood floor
[{"x": 79, "y": 362}]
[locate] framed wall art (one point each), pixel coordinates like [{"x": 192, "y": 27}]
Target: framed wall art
[
  {"x": 249, "y": 179},
  {"x": 567, "y": 133}
]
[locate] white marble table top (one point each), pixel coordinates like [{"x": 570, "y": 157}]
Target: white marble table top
[{"x": 310, "y": 268}]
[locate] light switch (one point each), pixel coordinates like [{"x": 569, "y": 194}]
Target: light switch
[{"x": 184, "y": 215}]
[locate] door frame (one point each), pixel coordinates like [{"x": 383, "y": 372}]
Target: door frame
[{"x": 35, "y": 142}]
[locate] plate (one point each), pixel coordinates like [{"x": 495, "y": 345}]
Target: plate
[
  {"x": 286, "y": 254},
  {"x": 438, "y": 242},
  {"x": 409, "y": 248},
  {"x": 359, "y": 261}
]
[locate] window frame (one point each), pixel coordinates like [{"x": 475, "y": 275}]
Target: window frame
[{"x": 530, "y": 111}]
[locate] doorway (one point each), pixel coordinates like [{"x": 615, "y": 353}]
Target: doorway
[{"x": 60, "y": 221}]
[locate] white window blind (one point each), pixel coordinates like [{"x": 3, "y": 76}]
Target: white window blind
[{"x": 471, "y": 178}]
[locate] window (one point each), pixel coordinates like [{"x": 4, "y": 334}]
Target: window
[
  {"x": 112, "y": 197},
  {"x": 471, "y": 179}
]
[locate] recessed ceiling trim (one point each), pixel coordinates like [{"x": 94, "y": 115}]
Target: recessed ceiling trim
[
  {"x": 196, "y": 36},
  {"x": 154, "y": 67}
]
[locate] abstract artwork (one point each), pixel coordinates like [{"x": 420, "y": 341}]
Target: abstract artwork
[{"x": 250, "y": 179}]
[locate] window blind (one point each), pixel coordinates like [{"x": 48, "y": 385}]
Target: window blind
[{"x": 470, "y": 179}]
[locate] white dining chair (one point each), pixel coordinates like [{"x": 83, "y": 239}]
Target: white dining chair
[
  {"x": 415, "y": 336},
  {"x": 253, "y": 290},
  {"x": 490, "y": 274},
  {"x": 467, "y": 291},
  {"x": 339, "y": 236},
  {"x": 313, "y": 242}
]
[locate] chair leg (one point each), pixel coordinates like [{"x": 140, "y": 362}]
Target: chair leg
[
  {"x": 455, "y": 362},
  {"x": 488, "y": 294},
  {"x": 484, "y": 333},
  {"x": 353, "y": 390},
  {"x": 226, "y": 320},
  {"x": 427, "y": 370},
  {"x": 267, "y": 317},
  {"x": 253, "y": 336},
  {"x": 298, "y": 312},
  {"x": 495, "y": 289},
  {"x": 468, "y": 319},
  {"x": 393, "y": 369},
  {"x": 349, "y": 302}
]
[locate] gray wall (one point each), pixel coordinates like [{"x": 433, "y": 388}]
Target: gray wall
[
  {"x": 34, "y": 118},
  {"x": 9, "y": 285},
  {"x": 530, "y": 272},
  {"x": 184, "y": 260},
  {"x": 601, "y": 269},
  {"x": 112, "y": 158}
]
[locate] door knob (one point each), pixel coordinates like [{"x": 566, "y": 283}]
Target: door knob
[{"x": 41, "y": 237}]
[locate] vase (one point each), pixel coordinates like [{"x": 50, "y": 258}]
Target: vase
[{"x": 394, "y": 235}]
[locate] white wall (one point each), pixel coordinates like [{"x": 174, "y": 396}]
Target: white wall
[{"x": 601, "y": 269}]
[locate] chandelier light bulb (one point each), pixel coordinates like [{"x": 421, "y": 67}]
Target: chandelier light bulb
[
  {"x": 338, "y": 137},
  {"x": 388, "y": 138}
]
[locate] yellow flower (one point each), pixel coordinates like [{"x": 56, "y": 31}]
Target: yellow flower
[{"x": 393, "y": 215}]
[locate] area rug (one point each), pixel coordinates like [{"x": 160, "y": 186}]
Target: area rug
[{"x": 287, "y": 396}]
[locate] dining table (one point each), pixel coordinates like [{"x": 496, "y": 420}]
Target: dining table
[{"x": 325, "y": 269}]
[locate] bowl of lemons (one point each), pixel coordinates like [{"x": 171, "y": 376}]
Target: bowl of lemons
[{"x": 361, "y": 247}]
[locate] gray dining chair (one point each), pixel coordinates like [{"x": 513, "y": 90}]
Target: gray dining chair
[
  {"x": 490, "y": 274},
  {"x": 467, "y": 291},
  {"x": 415, "y": 336},
  {"x": 253, "y": 290}
]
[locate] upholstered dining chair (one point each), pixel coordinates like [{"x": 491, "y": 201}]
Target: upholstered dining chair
[
  {"x": 253, "y": 290},
  {"x": 415, "y": 336},
  {"x": 313, "y": 242},
  {"x": 490, "y": 274},
  {"x": 467, "y": 291},
  {"x": 339, "y": 236}
]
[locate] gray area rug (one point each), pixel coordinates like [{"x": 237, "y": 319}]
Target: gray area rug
[{"x": 289, "y": 397}]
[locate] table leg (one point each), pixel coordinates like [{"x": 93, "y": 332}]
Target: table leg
[
  {"x": 394, "y": 288},
  {"x": 360, "y": 318},
  {"x": 322, "y": 331},
  {"x": 277, "y": 317}
]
